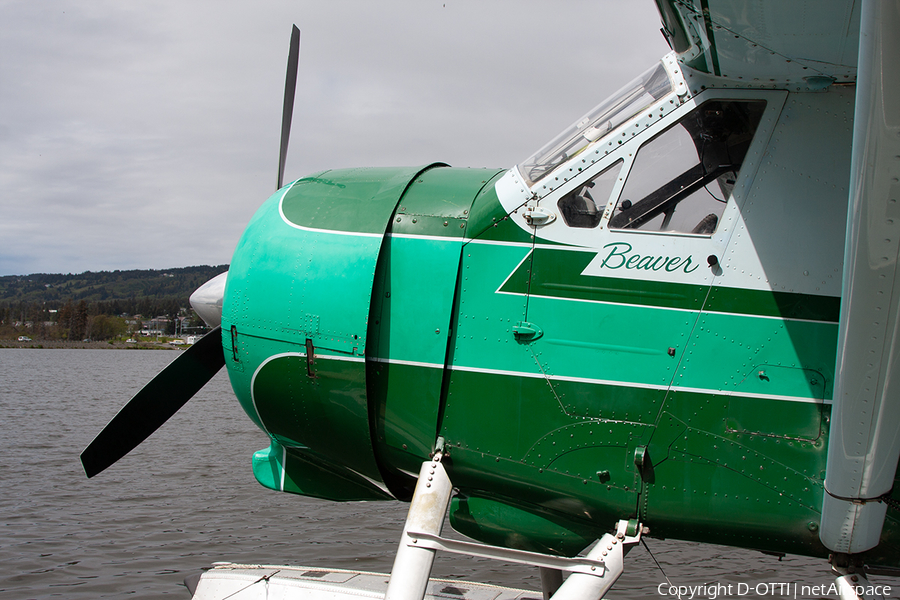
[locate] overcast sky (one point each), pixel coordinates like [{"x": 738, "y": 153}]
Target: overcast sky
[{"x": 145, "y": 134}]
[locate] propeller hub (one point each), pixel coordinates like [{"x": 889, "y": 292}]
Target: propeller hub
[{"x": 207, "y": 300}]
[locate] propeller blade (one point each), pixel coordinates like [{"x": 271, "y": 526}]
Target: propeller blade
[
  {"x": 155, "y": 403},
  {"x": 290, "y": 86}
]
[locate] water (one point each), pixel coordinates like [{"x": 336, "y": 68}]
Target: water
[{"x": 187, "y": 498}]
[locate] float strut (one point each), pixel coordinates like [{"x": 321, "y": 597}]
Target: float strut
[
  {"x": 551, "y": 579},
  {"x": 854, "y": 585},
  {"x": 590, "y": 576},
  {"x": 611, "y": 550},
  {"x": 412, "y": 565}
]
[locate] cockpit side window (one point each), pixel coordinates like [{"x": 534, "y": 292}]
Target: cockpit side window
[
  {"x": 635, "y": 97},
  {"x": 584, "y": 206},
  {"x": 682, "y": 178}
]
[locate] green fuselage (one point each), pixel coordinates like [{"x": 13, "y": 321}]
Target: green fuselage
[{"x": 368, "y": 312}]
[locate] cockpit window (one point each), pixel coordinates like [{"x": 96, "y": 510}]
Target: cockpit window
[
  {"x": 629, "y": 101},
  {"x": 682, "y": 178},
  {"x": 584, "y": 206}
]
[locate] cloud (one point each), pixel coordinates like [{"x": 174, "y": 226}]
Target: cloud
[{"x": 145, "y": 135}]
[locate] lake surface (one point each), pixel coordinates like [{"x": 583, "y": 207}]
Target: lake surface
[{"x": 187, "y": 498}]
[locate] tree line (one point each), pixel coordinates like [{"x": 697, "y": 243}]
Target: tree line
[
  {"x": 94, "y": 320},
  {"x": 99, "y": 306}
]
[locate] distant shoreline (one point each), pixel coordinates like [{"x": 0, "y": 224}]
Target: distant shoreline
[{"x": 58, "y": 344}]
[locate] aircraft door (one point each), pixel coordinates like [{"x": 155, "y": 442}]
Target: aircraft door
[
  {"x": 557, "y": 382},
  {"x": 615, "y": 317}
]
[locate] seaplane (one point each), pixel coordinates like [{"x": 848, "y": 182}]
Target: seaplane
[{"x": 678, "y": 318}]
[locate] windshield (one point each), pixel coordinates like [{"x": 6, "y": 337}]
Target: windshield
[{"x": 629, "y": 101}]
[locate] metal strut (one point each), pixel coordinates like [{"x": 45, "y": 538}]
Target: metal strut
[
  {"x": 853, "y": 585},
  {"x": 412, "y": 565},
  {"x": 591, "y": 576}
]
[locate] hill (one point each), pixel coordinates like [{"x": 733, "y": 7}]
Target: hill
[
  {"x": 39, "y": 301},
  {"x": 106, "y": 285}
]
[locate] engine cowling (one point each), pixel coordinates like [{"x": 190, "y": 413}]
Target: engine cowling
[{"x": 338, "y": 303}]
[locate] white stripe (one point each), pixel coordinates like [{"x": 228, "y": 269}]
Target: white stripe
[
  {"x": 409, "y": 363},
  {"x": 588, "y": 380},
  {"x": 413, "y": 236},
  {"x": 315, "y": 229},
  {"x": 806, "y": 399},
  {"x": 685, "y": 310},
  {"x": 499, "y": 243},
  {"x": 630, "y": 384},
  {"x": 253, "y": 385},
  {"x": 608, "y": 303},
  {"x": 511, "y": 273},
  {"x": 356, "y": 359},
  {"x": 773, "y": 317},
  {"x": 495, "y": 372},
  {"x": 331, "y": 231},
  {"x": 341, "y": 357},
  {"x": 530, "y": 375},
  {"x": 627, "y": 384}
]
